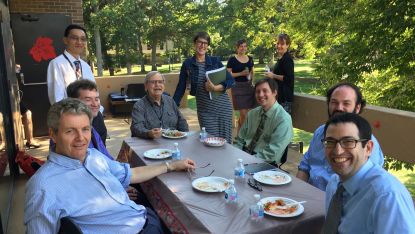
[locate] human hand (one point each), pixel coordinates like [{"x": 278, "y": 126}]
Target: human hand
[
  {"x": 244, "y": 72},
  {"x": 155, "y": 133},
  {"x": 269, "y": 74},
  {"x": 132, "y": 193},
  {"x": 209, "y": 86},
  {"x": 183, "y": 165}
]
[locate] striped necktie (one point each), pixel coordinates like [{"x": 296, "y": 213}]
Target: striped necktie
[
  {"x": 334, "y": 214},
  {"x": 258, "y": 133},
  {"x": 78, "y": 72}
]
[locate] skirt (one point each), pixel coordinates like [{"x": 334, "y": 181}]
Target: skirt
[{"x": 243, "y": 95}]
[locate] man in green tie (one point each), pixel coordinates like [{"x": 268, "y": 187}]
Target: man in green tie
[{"x": 268, "y": 129}]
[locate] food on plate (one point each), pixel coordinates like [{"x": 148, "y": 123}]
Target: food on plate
[
  {"x": 275, "y": 178},
  {"x": 163, "y": 154},
  {"x": 173, "y": 133},
  {"x": 276, "y": 207},
  {"x": 209, "y": 186}
]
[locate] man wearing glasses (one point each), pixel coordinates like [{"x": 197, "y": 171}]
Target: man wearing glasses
[
  {"x": 362, "y": 197},
  {"x": 156, "y": 110},
  {"x": 313, "y": 168},
  {"x": 68, "y": 67}
]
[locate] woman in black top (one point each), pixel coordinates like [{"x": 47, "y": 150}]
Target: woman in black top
[
  {"x": 241, "y": 66},
  {"x": 283, "y": 72}
]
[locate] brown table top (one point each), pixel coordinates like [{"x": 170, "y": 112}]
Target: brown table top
[{"x": 187, "y": 210}]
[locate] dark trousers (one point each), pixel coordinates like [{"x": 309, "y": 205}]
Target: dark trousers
[{"x": 153, "y": 224}]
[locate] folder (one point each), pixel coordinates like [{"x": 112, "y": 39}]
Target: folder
[{"x": 216, "y": 76}]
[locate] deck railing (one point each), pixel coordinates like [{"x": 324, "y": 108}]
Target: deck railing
[{"x": 395, "y": 129}]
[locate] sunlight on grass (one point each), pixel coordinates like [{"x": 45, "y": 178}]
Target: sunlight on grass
[{"x": 407, "y": 177}]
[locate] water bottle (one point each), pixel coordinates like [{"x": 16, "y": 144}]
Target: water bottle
[
  {"x": 267, "y": 69},
  {"x": 176, "y": 155},
  {"x": 248, "y": 77},
  {"x": 203, "y": 134},
  {"x": 231, "y": 196},
  {"x": 256, "y": 211},
  {"x": 239, "y": 171}
]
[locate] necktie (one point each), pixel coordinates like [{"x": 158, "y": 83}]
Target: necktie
[
  {"x": 257, "y": 135},
  {"x": 78, "y": 69},
  {"x": 334, "y": 213}
]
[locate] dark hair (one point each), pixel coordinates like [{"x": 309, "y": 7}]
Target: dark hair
[
  {"x": 203, "y": 35},
  {"x": 73, "y": 88},
  {"x": 285, "y": 37},
  {"x": 240, "y": 42},
  {"x": 73, "y": 26},
  {"x": 359, "y": 96},
  {"x": 272, "y": 84},
  {"x": 365, "y": 131}
]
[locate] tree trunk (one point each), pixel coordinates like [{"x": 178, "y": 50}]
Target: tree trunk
[
  {"x": 129, "y": 69},
  {"x": 153, "y": 55},
  {"x": 98, "y": 50},
  {"x": 140, "y": 54}
]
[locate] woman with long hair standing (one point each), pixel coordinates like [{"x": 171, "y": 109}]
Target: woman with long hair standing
[
  {"x": 241, "y": 66},
  {"x": 213, "y": 114}
]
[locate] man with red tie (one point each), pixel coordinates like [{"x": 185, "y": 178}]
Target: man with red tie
[{"x": 68, "y": 67}]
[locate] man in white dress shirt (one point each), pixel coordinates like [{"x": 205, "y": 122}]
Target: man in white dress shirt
[{"x": 68, "y": 67}]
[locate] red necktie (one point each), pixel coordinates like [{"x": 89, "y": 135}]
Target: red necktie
[{"x": 78, "y": 69}]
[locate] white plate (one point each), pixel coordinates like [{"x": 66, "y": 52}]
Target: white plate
[
  {"x": 164, "y": 134},
  {"x": 158, "y": 153},
  {"x": 300, "y": 207},
  {"x": 210, "y": 184},
  {"x": 272, "y": 177},
  {"x": 214, "y": 141}
]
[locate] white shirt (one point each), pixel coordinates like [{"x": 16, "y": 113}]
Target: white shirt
[{"x": 61, "y": 73}]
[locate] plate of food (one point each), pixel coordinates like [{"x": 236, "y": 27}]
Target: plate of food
[
  {"x": 214, "y": 141},
  {"x": 211, "y": 184},
  {"x": 158, "y": 153},
  {"x": 173, "y": 134},
  {"x": 272, "y": 177},
  {"x": 280, "y": 207}
]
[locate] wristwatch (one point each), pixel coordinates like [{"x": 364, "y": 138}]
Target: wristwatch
[{"x": 168, "y": 167}]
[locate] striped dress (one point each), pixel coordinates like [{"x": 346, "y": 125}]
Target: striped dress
[{"x": 215, "y": 115}]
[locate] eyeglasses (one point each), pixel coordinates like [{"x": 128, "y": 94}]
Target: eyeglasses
[
  {"x": 193, "y": 175},
  {"x": 75, "y": 38},
  {"x": 345, "y": 143},
  {"x": 254, "y": 184},
  {"x": 156, "y": 81},
  {"x": 203, "y": 43}
]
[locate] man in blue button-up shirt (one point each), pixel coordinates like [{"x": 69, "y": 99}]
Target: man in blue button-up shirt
[
  {"x": 85, "y": 185},
  {"x": 373, "y": 200},
  {"x": 313, "y": 168}
]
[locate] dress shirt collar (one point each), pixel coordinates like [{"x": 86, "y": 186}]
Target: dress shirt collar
[
  {"x": 352, "y": 184},
  {"x": 153, "y": 102},
  {"x": 271, "y": 110},
  {"x": 66, "y": 161},
  {"x": 70, "y": 57}
]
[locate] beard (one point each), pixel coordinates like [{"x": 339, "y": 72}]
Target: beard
[{"x": 337, "y": 112}]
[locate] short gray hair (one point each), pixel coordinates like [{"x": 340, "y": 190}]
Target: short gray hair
[
  {"x": 68, "y": 105},
  {"x": 151, "y": 74}
]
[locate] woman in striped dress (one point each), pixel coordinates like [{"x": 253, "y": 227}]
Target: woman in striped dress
[{"x": 215, "y": 115}]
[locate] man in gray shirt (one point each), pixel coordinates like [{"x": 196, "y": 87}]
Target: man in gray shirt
[{"x": 155, "y": 111}]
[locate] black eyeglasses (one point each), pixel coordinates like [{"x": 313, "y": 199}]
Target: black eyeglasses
[
  {"x": 254, "y": 184},
  {"x": 345, "y": 143},
  {"x": 203, "y": 43}
]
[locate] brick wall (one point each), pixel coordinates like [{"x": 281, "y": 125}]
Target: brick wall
[{"x": 68, "y": 7}]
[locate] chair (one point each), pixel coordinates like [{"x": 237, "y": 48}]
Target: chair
[
  {"x": 135, "y": 91},
  {"x": 68, "y": 227}
]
